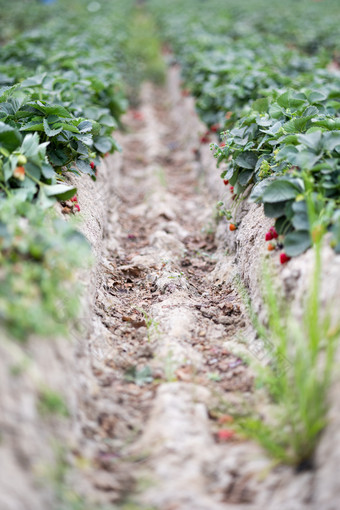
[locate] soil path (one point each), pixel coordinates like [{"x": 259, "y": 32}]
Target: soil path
[{"x": 164, "y": 376}]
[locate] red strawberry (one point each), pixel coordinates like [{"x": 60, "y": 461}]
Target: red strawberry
[
  {"x": 231, "y": 189},
  {"x": 76, "y": 206},
  {"x": 137, "y": 115},
  {"x": 273, "y": 232},
  {"x": 214, "y": 128},
  {"x": 74, "y": 199},
  {"x": 92, "y": 165},
  {"x": 226, "y": 182},
  {"x": 225, "y": 434},
  {"x": 205, "y": 139},
  {"x": 269, "y": 236},
  {"x": 284, "y": 258}
]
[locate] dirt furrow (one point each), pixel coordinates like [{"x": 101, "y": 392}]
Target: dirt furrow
[{"x": 164, "y": 375}]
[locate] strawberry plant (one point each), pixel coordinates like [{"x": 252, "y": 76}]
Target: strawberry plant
[
  {"x": 39, "y": 253},
  {"x": 276, "y": 106}
]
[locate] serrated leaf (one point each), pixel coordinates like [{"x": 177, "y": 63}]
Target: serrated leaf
[
  {"x": 103, "y": 144},
  {"x": 247, "y": 160},
  {"x": 84, "y": 167},
  {"x": 245, "y": 177},
  {"x": 30, "y": 145},
  {"x": 296, "y": 125},
  {"x": 261, "y": 105},
  {"x": 54, "y": 109},
  {"x": 49, "y": 131},
  {"x": 297, "y": 242},
  {"x": 47, "y": 171},
  {"x": 66, "y": 127},
  {"x": 33, "y": 126},
  {"x": 275, "y": 209},
  {"x": 331, "y": 140},
  {"x": 85, "y": 126},
  {"x": 279, "y": 191},
  {"x": 10, "y": 138},
  {"x": 311, "y": 140},
  {"x": 60, "y": 191}
]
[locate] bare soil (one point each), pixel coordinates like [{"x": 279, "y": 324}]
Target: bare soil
[{"x": 156, "y": 415}]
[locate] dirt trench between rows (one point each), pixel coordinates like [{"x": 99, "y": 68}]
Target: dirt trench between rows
[{"x": 163, "y": 368}]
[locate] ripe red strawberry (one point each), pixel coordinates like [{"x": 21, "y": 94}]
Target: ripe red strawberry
[
  {"x": 225, "y": 434},
  {"x": 214, "y": 128},
  {"x": 232, "y": 227},
  {"x": 92, "y": 165},
  {"x": 226, "y": 182},
  {"x": 76, "y": 206},
  {"x": 231, "y": 189},
  {"x": 273, "y": 232},
  {"x": 74, "y": 199},
  {"x": 284, "y": 258},
  {"x": 205, "y": 139},
  {"x": 269, "y": 236}
]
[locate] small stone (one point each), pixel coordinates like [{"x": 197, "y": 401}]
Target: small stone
[{"x": 226, "y": 321}]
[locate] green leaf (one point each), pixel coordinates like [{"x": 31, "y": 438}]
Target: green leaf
[
  {"x": 60, "y": 191},
  {"x": 103, "y": 144},
  {"x": 58, "y": 157},
  {"x": 288, "y": 152},
  {"x": 258, "y": 190},
  {"x": 47, "y": 171},
  {"x": 283, "y": 225},
  {"x": 107, "y": 120},
  {"x": 311, "y": 140},
  {"x": 33, "y": 170},
  {"x": 297, "y": 242},
  {"x": 279, "y": 191},
  {"x": 261, "y": 105},
  {"x": 66, "y": 127},
  {"x": 315, "y": 96},
  {"x": 283, "y": 100},
  {"x": 49, "y": 131},
  {"x": 30, "y": 145},
  {"x": 84, "y": 167},
  {"x": 54, "y": 109},
  {"x": 275, "y": 209},
  {"x": 296, "y": 125},
  {"x": 300, "y": 216},
  {"x": 85, "y": 126},
  {"x": 246, "y": 159},
  {"x": 33, "y": 126},
  {"x": 10, "y": 138},
  {"x": 331, "y": 140},
  {"x": 245, "y": 177}
]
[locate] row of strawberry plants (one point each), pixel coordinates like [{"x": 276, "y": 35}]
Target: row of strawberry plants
[
  {"x": 278, "y": 113},
  {"x": 58, "y": 109},
  {"x": 61, "y": 97}
]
